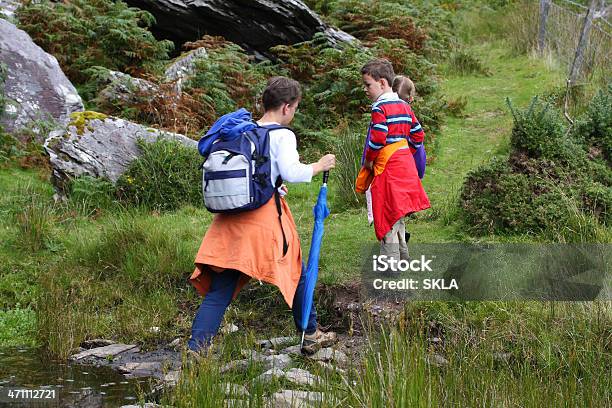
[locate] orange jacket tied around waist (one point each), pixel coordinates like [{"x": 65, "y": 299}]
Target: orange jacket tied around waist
[{"x": 252, "y": 243}]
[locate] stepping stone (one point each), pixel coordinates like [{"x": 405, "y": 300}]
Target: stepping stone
[
  {"x": 104, "y": 352},
  {"x": 230, "y": 328},
  {"x": 296, "y": 399},
  {"x": 172, "y": 378},
  {"x": 269, "y": 375},
  {"x": 295, "y": 350},
  {"x": 140, "y": 369},
  {"x": 174, "y": 344},
  {"x": 301, "y": 377},
  {"x": 236, "y": 364},
  {"x": 281, "y": 361},
  {"x": 276, "y": 342},
  {"x": 253, "y": 355},
  {"x": 145, "y": 405},
  {"x": 234, "y": 390},
  {"x": 331, "y": 368},
  {"x": 329, "y": 354},
  {"x": 95, "y": 343}
]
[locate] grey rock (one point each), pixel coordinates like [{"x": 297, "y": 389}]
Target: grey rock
[
  {"x": 234, "y": 390},
  {"x": 281, "y": 361},
  {"x": 174, "y": 344},
  {"x": 184, "y": 67},
  {"x": 329, "y": 354},
  {"x": 172, "y": 378},
  {"x": 145, "y": 405},
  {"x": 235, "y": 365},
  {"x": 253, "y": 355},
  {"x": 93, "y": 343},
  {"x": 104, "y": 149},
  {"x": 276, "y": 342},
  {"x": 103, "y": 352},
  {"x": 36, "y": 87},
  {"x": 437, "y": 360},
  {"x": 292, "y": 350},
  {"x": 8, "y": 8},
  {"x": 229, "y": 328},
  {"x": 331, "y": 368},
  {"x": 255, "y": 25},
  {"x": 269, "y": 375},
  {"x": 124, "y": 90},
  {"x": 140, "y": 369},
  {"x": 295, "y": 399},
  {"x": 301, "y": 377}
]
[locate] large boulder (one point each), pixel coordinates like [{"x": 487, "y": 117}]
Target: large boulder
[
  {"x": 35, "y": 86},
  {"x": 99, "y": 146},
  {"x": 256, "y": 25}
]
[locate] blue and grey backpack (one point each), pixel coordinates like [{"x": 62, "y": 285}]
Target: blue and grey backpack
[{"x": 236, "y": 173}]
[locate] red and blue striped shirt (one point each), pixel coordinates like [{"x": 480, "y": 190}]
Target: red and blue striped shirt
[{"x": 392, "y": 121}]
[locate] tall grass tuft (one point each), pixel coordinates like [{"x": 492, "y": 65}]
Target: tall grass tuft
[
  {"x": 34, "y": 217},
  {"x": 348, "y": 154}
]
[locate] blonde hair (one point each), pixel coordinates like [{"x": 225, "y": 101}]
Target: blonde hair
[{"x": 404, "y": 87}]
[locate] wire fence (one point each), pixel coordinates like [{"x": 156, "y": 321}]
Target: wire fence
[{"x": 579, "y": 36}]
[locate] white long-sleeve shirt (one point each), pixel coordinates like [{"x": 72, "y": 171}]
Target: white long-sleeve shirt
[{"x": 284, "y": 157}]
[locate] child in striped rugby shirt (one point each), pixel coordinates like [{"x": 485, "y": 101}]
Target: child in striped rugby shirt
[{"x": 396, "y": 187}]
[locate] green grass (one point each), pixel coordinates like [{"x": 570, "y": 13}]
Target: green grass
[{"x": 126, "y": 258}]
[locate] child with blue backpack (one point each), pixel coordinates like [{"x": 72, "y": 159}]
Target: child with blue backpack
[{"x": 261, "y": 243}]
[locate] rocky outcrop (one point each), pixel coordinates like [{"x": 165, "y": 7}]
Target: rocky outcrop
[
  {"x": 35, "y": 86},
  {"x": 8, "y": 8},
  {"x": 99, "y": 146},
  {"x": 123, "y": 90},
  {"x": 256, "y": 25}
]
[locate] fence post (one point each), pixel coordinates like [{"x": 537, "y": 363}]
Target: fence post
[
  {"x": 582, "y": 42},
  {"x": 544, "y": 7}
]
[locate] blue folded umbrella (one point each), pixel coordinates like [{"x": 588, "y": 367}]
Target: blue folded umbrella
[{"x": 311, "y": 274}]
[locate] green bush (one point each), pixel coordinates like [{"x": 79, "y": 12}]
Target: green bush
[
  {"x": 549, "y": 185},
  {"x": 595, "y": 128},
  {"x": 462, "y": 62},
  {"x": 164, "y": 177},
  {"x": 86, "y": 33},
  {"x": 539, "y": 131}
]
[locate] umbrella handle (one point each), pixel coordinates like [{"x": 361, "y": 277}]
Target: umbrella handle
[{"x": 325, "y": 177}]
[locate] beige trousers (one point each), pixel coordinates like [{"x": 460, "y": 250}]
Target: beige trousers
[{"x": 393, "y": 244}]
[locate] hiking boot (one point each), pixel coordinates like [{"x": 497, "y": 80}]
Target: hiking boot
[{"x": 315, "y": 341}]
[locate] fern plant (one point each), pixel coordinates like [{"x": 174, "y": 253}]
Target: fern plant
[{"x": 85, "y": 33}]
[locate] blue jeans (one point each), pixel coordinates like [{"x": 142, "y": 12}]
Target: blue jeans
[{"x": 210, "y": 313}]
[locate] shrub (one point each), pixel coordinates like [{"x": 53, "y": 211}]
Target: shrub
[
  {"x": 595, "y": 127},
  {"x": 539, "y": 131},
  {"x": 462, "y": 62},
  {"x": 164, "y": 177},
  {"x": 90, "y": 194},
  {"x": 548, "y": 185},
  {"x": 86, "y": 33}
]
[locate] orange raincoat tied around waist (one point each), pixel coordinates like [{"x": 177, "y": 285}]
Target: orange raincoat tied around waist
[
  {"x": 252, "y": 243},
  {"x": 395, "y": 186}
]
